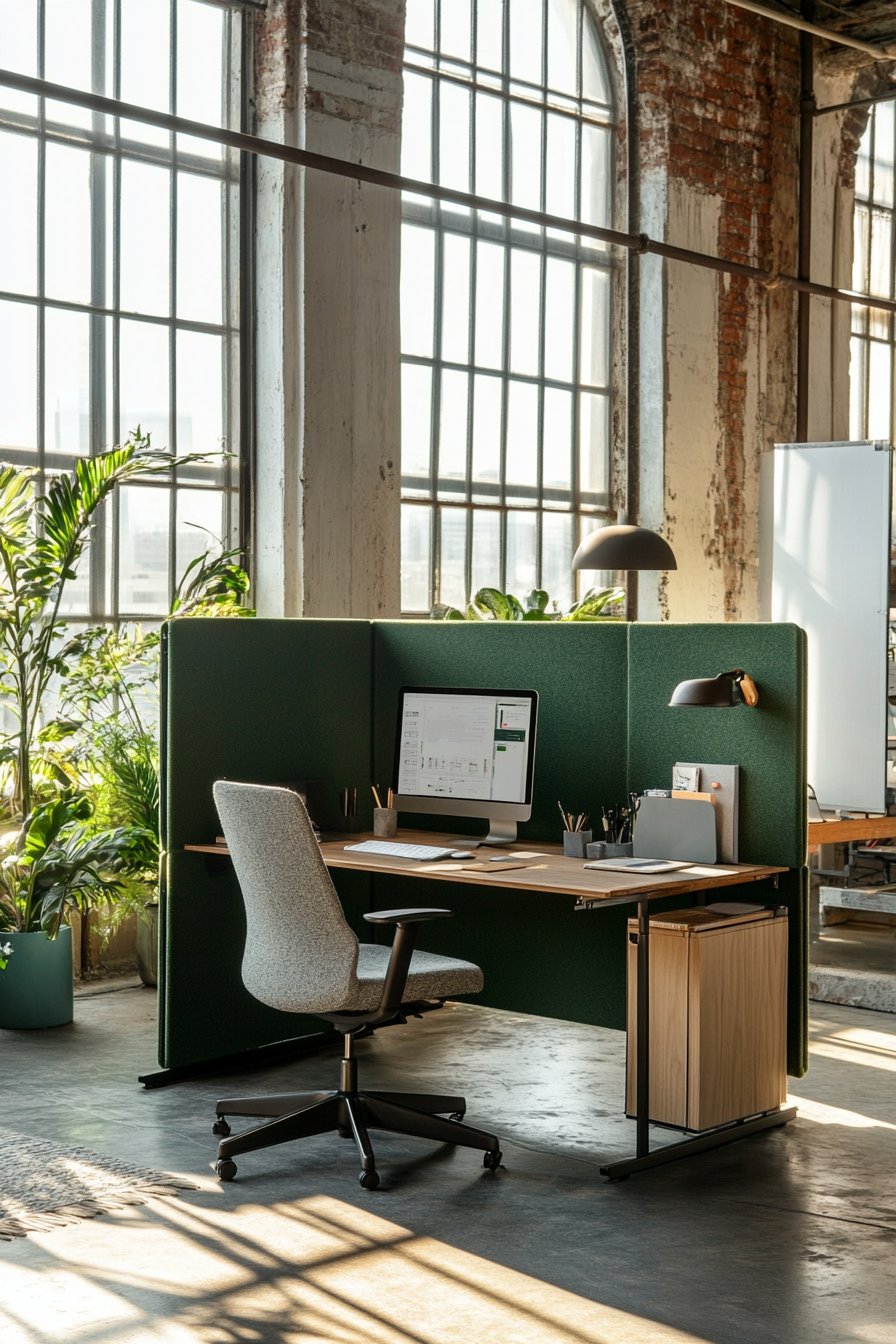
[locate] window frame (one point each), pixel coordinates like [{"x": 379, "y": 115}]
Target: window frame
[
  {"x": 109, "y": 149},
  {"x": 587, "y": 509}
]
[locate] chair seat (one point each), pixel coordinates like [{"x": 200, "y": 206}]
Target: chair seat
[{"x": 430, "y": 977}]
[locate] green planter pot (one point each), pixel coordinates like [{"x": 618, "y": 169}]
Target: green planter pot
[{"x": 36, "y": 987}]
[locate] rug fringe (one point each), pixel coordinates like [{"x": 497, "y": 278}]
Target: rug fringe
[{"x": 44, "y": 1220}]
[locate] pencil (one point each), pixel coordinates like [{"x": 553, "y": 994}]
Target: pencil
[
  {"x": 391, "y": 797},
  {"x": 376, "y": 797},
  {"x": 566, "y": 825}
]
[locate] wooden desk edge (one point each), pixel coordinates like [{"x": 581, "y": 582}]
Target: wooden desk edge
[
  {"x": 630, "y": 888},
  {"x": 856, "y": 828}
]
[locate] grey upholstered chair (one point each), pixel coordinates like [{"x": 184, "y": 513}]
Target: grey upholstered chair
[{"x": 301, "y": 956}]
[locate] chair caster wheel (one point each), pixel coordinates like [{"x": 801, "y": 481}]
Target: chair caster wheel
[
  {"x": 343, "y": 1132},
  {"x": 457, "y": 1115},
  {"x": 492, "y": 1161},
  {"x": 221, "y": 1127},
  {"x": 369, "y": 1180},
  {"x": 225, "y": 1170}
]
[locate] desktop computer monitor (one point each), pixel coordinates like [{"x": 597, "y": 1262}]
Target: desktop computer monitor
[{"x": 467, "y": 753}]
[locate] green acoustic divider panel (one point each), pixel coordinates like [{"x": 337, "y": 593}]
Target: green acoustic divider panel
[
  {"x": 768, "y": 742},
  {"x": 537, "y": 954},
  {"x": 579, "y": 672},
  {"x": 265, "y": 702}
]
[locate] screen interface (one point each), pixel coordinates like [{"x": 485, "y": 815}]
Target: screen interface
[{"x": 464, "y": 746}]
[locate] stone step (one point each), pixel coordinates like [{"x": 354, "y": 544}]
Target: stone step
[{"x": 855, "y": 989}]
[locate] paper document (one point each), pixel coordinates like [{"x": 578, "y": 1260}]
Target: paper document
[{"x": 697, "y": 871}]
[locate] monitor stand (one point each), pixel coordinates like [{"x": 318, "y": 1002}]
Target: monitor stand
[{"x": 500, "y": 833}]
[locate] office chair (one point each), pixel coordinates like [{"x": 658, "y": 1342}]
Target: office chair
[{"x": 302, "y": 957}]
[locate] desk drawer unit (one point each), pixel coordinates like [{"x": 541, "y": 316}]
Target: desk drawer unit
[{"x": 718, "y": 1016}]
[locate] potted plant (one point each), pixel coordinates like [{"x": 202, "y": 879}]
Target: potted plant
[
  {"x": 109, "y": 707},
  {"x": 52, "y": 860},
  {"x": 52, "y": 864},
  {"x": 490, "y": 604}
]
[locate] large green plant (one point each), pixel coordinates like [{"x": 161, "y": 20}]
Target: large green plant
[
  {"x": 490, "y": 604},
  {"x": 56, "y": 863},
  {"x": 56, "y": 858},
  {"x": 42, "y": 539}
]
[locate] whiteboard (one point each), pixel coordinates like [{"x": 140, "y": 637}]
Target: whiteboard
[{"x": 830, "y": 575}]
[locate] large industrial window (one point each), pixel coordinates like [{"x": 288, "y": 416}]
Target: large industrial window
[
  {"x": 505, "y": 327},
  {"x": 874, "y": 253},
  {"x": 118, "y": 275}
]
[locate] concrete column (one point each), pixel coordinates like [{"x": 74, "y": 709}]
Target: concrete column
[{"x": 328, "y": 454}]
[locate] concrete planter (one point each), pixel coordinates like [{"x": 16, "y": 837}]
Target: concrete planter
[
  {"x": 148, "y": 945},
  {"x": 36, "y": 987}
]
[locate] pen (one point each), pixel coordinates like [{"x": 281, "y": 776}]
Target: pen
[{"x": 566, "y": 826}]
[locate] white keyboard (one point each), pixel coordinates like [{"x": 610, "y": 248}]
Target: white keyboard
[{"x": 396, "y": 851}]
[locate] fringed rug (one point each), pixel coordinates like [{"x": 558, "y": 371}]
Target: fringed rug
[{"x": 45, "y": 1185}]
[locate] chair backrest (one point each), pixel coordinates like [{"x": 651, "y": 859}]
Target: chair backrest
[{"x": 300, "y": 954}]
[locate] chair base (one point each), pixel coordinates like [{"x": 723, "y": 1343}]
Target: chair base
[{"x": 297, "y": 1115}]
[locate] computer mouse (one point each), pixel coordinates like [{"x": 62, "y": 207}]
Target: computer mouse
[{"x": 462, "y": 854}]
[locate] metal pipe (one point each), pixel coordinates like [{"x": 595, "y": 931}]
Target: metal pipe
[
  {"x": 807, "y": 135},
  {"x": 857, "y": 102},
  {"x": 302, "y": 158},
  {"x": 804, "y": 26}
]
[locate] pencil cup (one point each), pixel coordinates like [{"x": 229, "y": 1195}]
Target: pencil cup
[
  {"x": 351, "y": 824},
  {"x": 385, "y": 822},
  {"x": 619, "y": 851},
  {"x": 574, "y": 843},
  {"x": 596, "y": 851}
]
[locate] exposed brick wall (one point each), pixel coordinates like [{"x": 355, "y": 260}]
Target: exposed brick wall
[
  {"x": 718, "y": 94},
  {"x": 342, "y": 58}
]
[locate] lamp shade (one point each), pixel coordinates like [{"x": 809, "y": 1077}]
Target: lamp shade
[
  {"x": 716, "y": 692},
  {"x": 624, "y": 547}
]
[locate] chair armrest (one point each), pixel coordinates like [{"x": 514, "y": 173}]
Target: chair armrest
[{"x": 416, "y": 916}]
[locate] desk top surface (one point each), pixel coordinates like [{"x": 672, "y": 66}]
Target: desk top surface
[
  {"x": 855, "y": 828},
  {"x": 550, "y": 872}
]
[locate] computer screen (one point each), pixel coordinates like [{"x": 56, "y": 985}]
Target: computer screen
[{"x": 473, "y": 746}]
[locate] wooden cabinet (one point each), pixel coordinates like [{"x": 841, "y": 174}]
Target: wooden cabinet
[{"x": 718, "y": 1016}]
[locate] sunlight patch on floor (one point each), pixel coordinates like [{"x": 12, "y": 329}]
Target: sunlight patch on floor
[
  {"x": 834, "y": 1115},
  {"x": 317, "y": 1271}
]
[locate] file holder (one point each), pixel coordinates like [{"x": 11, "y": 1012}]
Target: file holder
[{"x": 673, "y": 828}]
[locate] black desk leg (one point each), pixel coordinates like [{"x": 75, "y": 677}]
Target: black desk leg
[{"x": 642, "y": 1046}]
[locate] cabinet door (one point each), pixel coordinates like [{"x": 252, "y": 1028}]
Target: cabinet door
[
  {"x": 830, "y": 575},
  {"x": 737, "y": 1054}
]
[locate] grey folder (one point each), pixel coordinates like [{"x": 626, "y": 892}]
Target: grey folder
[{"x": 676, "y": 828}]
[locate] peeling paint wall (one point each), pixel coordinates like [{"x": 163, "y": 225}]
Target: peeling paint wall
[
  {"x": 712, "y": 131},
  {"x": 717, "y": 95},
  {"x": 328, "y": 76}
]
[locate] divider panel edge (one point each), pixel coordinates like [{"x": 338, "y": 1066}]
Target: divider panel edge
[{"x": 264, "y": 701}]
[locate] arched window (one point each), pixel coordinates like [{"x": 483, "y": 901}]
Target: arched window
[
  {"x": 874, "y": 253},
  {"x": 505, "y": 326}
]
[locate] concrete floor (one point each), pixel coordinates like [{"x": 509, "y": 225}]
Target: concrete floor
[{"x": 789, "y": 1236}]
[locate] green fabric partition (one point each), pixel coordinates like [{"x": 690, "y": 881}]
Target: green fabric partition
[
  {"x": 266, "y": 702},
  {"x": 768, "y": 743},
  {"x": 579, "y": 672},
  {"x": 281, "y": 700}
]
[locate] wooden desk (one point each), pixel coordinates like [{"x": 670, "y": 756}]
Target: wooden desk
[
  {"x": 856, "y": 828},
  {"x": 590, "y": 889}
]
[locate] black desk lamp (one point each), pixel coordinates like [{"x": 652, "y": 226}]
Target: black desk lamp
[{"x": 717, "y": 692}]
